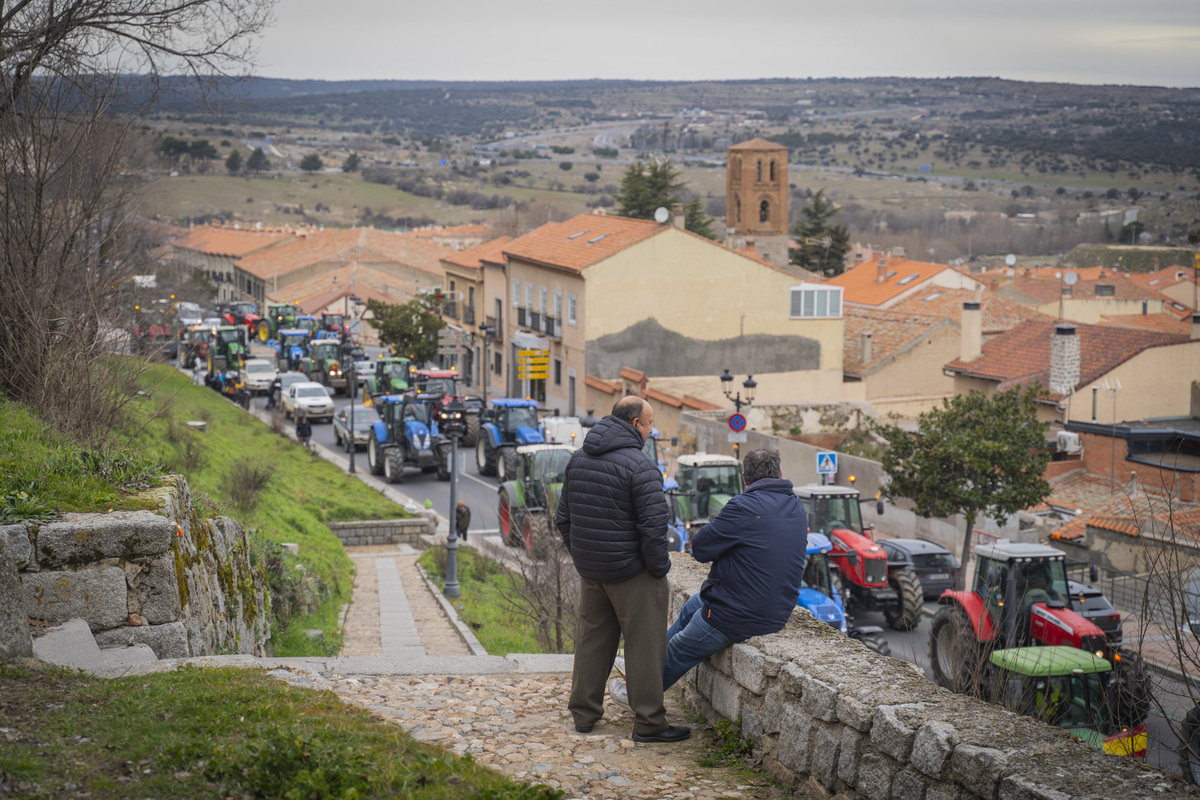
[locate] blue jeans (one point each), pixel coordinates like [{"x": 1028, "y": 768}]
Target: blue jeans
[{"x": 690, "y": 640}]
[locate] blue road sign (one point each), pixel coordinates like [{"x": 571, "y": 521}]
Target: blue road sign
[
  {"x": 737, "y": 422},
  {"x": 826, "y": 463}
]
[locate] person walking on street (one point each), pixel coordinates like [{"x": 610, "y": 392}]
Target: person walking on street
[
  {"x": 462, "y": 519},
  {"x": 612, "y": 516},
  {"x": 196, "y": 372},
  {"x": 273, "y": 394},
  {"x": 757, "y": 545},
  {"x": 303, "y": 431}
]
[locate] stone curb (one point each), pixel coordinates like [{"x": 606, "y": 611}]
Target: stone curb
[
  {"x": 464, "y": 632},
  {"x": 516, "y": 663}
]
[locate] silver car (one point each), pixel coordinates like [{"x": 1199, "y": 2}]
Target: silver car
[
  {"x": 364, "y": 417},
  {"x": 308, "y": 399}
]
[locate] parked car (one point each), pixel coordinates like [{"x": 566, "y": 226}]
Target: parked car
[
  {"x": 307, "y": 399},
  {"x": 935, "y": 566},
  {"x": 364, "y": 418},
  {"x": 1090, "y": 602},
  {"x": 258, "y": 374}
]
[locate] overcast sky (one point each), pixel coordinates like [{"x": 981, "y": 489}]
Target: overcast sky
[{"x": 1151, "y": 42}]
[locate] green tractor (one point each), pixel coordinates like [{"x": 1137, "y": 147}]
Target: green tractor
[
  {"x": 325, "y": 364},
  {"x": 529, "y": 499},
  {"x": 391, "y": 376},
  {"x": 279, "y": 316},
  {"x": 228, "y": 348}
]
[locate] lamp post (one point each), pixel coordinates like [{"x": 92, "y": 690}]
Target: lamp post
[
  {"x": 355, "y": 354},
  {"x": 453, "y": 423},
  {"x": 736, "y": 398}
]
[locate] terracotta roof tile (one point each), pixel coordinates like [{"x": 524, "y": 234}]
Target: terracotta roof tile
[
  {"x": 475, "y": 231},
  {"x": 364, "y": 245},
  {"x": 1022, "y": 355},
  {"x": 474, "y": 257},
  {"x": 1162, "y": 323},
  {"x": 631, "y": 374},
  {"x": 756, "y": 144},
  {"x": 582, "y": 241},
  {"x": 862, "y": 286},
  {"x": 700, "y": 405},
  {"x": 230, "y": 242},
  {"x": 361, "y": 280},
  {"x": 663, "y": 397},
  {"x": 608, "y": 387},
  {"x": 999, "y": 313},
  {"x": 1046, "y": 288},
  {"x": 1163, "y": 278},
  {"x": 892, "y": 332}
]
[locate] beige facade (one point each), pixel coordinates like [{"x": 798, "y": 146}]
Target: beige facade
[
  {"x": 1092, "y": 310},
  {"x": 1156, "y": 382},
  {"x": 913, "y": 381}
]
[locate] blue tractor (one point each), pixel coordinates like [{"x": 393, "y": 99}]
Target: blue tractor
[
  {"x": 291, "y": 349},
  {"x": 821, "y": 595},
  {"x": 406, "y": 434},
  {"x": 508, "y": 423}
]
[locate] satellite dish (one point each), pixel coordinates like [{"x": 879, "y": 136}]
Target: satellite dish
[
  {"x": 661, "y": 214},
  {"x": 1070, "y": 278},
  {"x": 1010, "y": 259}
]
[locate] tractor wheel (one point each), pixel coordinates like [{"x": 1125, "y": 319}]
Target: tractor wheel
[
  {"x": 264, "y": 332},
  {"x": 374, "y": 460},
  {"x": 472, "y": 434},
  {"x": 1129, "y": 693},
  {"x": 537, "y": 535},
  {"x": 673, "y": 540},
  {"x": 874, "y": 642},
  {"x": 505, "y": 513},
  {"x": 510, "y": 464},
  {"x": 485, "y": 457},
  {"x": 393, "y": 465},
  {"x": 957, "y": 657},
  {"x": 1189, "y": 747},
  {"x": 908, "y": 588}
]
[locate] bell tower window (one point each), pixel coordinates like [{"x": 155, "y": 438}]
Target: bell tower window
[{"x": 764, "y": 211}]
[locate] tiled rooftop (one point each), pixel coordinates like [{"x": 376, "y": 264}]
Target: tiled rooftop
[
  {"x": 1129, "y": 509},
  {"x": 756, "y": 144},
  {"x": 582, "y": 241},
  {"x": 1022, "y": 355},
  {"x": 1162, "y": 323},
  {"x": 863, "y": 287},
  {"x": 1163, "y": 278},
  {"x": 892, "y": 332},
  {"x": 999, "y": 313},
  {"x": 473, "y": 257},
  {"x": 364, "y": 245},
  {"x": 361, "y": 280},
  {"x": 221, "y": 241},
  {"x": 1047, "y": 289}
]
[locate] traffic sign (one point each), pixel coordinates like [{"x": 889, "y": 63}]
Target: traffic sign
[
  {"x": 737, "y": 422},
  {"x": 827, "y": 462},
  {"x": 533, "y": 364},
  {"x": 737, "y": 438}
]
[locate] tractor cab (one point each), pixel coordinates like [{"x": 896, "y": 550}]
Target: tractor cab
[
  {"x": 510, "y": 422},
  {"x": 241, "y": 312},
  {"x": 325, "y": 364},
  {"x": 334, "y": 323},
  {"x": 406, "y": 434},
  {"x": 435, "y": 381},
  {"x": 391, "y": 376},
  {"x": 228, "y": 348},
  {"x": 1067, "y": 688},
  {"x": 529, "y": 498},
  {"x": 309, "y": 323},
  {"x": 706, "y": 483},
  {"x": 831, "y": 508},
  {"x": 290, "y": 348},
  {"x": 278, "y": 317}
]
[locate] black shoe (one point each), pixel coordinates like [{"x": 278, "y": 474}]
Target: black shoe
[
  {"x": 671, "y": 733},
  {"x": 583, "y": 728}
]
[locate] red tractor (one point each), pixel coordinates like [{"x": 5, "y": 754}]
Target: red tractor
[
  {"x": 1019, "y": 598},
  {"x": 870, "y": 582},
  {"x": 241, "y": 312}
]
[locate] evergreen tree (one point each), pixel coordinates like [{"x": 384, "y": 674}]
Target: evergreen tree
[
  {"x": 312, "y": 163},
  {"x": 352, "y": 163},
  {"x": 410, "y": 329},
  {"x": 696, "y": 221},
  {"x": 647, "y": 187},
  {"x": 234, "y": 162},
  {"x": 257, "y": 162},
  {"x": 823, "y": 245}
]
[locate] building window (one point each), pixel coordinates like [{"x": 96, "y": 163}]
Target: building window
[
  {"x": 811, "y": 300},
  {"x": 764, "y": 211},
  {"x": 529, "y": 295},
  {"x": 558, "y": 372},
  {"x": 516, "y": 291},
  {"x": 542, "y": 299},
  {"x": 772, "y": 172},
  {"x": 758, "y": 171},
  {"x": 558, "y": 304},
  {"x": 571, "y": 304},
  {"x": 737, "y": 208},
  {"x": 498, "y": 364}
]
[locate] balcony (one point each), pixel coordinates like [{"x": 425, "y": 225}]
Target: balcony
[
  {"x": 552, "y": 327},
  {"x": 535, "y": 321},
  {"x": 523, "y": 315},
  {"x": 497, "y": 326},
  {"x": 468, "y": 315},
  {"x": 450, "y": 309}
]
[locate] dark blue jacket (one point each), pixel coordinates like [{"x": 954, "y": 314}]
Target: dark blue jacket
[
  {"x": 757, "y": 545},
  {"x": 612, "y": 513}
]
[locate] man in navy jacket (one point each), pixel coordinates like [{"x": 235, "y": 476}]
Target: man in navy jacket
[
  {"x": 612, "y": 515},
  {"x": 757, "y": 548}
]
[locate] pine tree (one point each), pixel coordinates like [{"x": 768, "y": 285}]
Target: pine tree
[
  {"x": 823, "y": 245},
  {"x": 696, "y": 221},
  {"x": 645, "y": 188},
  {"x": 234, "y": 162},
  {"x": 257, "y": 162}
]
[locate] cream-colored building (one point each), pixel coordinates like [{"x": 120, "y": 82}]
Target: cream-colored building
[{"x": 602, "y": 293}]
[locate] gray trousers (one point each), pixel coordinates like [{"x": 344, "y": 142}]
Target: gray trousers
[{"x": 636, "y": 608}]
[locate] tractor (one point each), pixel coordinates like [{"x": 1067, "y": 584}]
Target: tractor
[
  {"x": 508, "y": 423},
  {"x": 445, "y": 383},
  {"x": 279, "y": 316},
  {"x": 194, "y": 345},
  {"x": 1065, "y": 687},
  {"x": 529, "y": 498},
  {"x": 820, "y": 596},
  {"x": 392, "y": 376},
  {"x": 332, "y": 324},
  {"x": 227, "y": 349},
  {"x": 869, "y": 581},
  {"x": 290, "y": 349},
  {"x": 406, "y": 434},
  {"x": 1019, "y": 598},
  {"x": 325, "y": 364},
  {"x": 702, "y": 485},
  {"x": 241, "y": 312},
  {"x": 310, "y": 324}
]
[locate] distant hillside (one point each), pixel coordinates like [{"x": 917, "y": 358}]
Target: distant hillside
[{"x": 1134, "y": 259}]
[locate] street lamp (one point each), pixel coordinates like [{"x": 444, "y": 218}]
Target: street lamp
[
  {"x": 353, "y": 354},
  {"x": 452, "y": 421},
  {"x": 749, "y": 385}
]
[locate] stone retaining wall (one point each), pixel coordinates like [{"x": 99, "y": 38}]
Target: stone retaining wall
[
  {"x": 185, "y": 586},
  {"x": 830, "y": 716},
  {"x": 383, "y": 531}
]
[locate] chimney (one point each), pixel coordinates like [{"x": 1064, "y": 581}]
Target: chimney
[
  {"x": 881, "y": 271},
  {"x": 971, "y": 328},
  {"x": 1064, "y": 359},
  {"x": 868, "y": 349},
  {"x": 679, "y": 218},
  {"x": 1195, "y": 326}
]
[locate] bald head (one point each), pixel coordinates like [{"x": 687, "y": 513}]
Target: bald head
[{"x": 637, "y": 412}]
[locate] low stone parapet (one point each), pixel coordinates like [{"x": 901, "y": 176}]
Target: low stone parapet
[
  {"x": 382, "y": 531},
  {"x": 831, "y": 716}
]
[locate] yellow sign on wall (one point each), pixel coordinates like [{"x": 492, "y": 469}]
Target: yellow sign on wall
[{"x": 533, "y": 364}]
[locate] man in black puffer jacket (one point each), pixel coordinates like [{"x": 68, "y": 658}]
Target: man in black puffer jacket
[{"x": 612, "y": 515}]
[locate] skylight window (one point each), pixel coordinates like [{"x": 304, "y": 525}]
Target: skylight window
[
  {"x": 598, "y": 238},
  {"x": 1156, "y": 280},
  {"x": 890, "y": 273},
  {"x": 909, "y": 278},
  {"x": 575, "y": 235},
  {"x": 930, "y": 297}
]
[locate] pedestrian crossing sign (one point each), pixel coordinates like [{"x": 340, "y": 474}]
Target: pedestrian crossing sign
[{"x": 827, "y": 463}]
